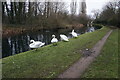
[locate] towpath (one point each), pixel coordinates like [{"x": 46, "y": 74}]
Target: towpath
[{"x": 77, "y": 69}]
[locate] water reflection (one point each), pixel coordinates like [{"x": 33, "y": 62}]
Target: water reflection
[{"x": 20, "y": 43}]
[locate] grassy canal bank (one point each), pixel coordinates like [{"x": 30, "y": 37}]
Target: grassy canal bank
[
  {"x": 49, "y": 61},
  {"x": 106, "y": 64}
]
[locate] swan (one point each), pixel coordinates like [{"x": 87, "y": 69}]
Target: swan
[
  {"x": 36, "y": 44},
  {"x": 54, "y": 40},
  {"x": 92, "y": 29},
  {"x": 64, "y": 37},
  {"x": 74, "y": 34}
]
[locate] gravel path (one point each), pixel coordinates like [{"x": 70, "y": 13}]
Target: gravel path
[{"x": 77, "y": 69}]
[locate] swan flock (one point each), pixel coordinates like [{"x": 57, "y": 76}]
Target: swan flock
[{"x": 38, "y": 44}]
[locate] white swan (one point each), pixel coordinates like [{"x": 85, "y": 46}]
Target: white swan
[
  {"x": 63, "y": 37},
  {"x": 36, "y": 44},
  {"x": 74, "y": 34},
  {"x": 54, "y": 40},
  {"x": 92, "y": 29}
]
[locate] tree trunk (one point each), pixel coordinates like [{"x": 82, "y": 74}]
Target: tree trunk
[
  {"x": 8, "y": 12},
  {"x": 3, "y": 12},
  {"x": 12, "y": 13}
]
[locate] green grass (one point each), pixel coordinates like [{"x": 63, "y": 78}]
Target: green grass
[
  {"x": 106, "y": 64},
  {"x": 49, "y": 61}
]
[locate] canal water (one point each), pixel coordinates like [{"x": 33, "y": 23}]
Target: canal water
[{"x": 20, "y": 43}]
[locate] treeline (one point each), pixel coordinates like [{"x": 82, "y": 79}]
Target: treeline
[
  {"x": 110, "y": 14},
  {"x": 32, "y": 13},
  {"x": 42, "y": 14}
]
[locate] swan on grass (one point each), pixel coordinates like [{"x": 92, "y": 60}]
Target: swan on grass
[
  {"x": 64, "y": 37},
  {"x": 92, "y": 29},
  {"x": 36, "y": 44},
  {"x": 74, "y": 34},
  {"x": 54, "y": 40}
]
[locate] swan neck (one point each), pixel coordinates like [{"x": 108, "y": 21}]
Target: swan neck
[
  {"x": 33, "y": 41},
  {"x": 53, "y": 36},
  {"x": 72, "y": 30}
]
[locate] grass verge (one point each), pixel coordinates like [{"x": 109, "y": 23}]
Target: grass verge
[
  {"x": 49, "y": 61},
  {"x": 106, "y": 64}
]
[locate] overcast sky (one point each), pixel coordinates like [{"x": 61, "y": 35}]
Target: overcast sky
[
  {"x": 95, "y": 4},
  {"x": 91, "y": 4}
]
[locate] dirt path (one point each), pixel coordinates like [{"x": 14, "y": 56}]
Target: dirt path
[{"x": 76, "y": 70}]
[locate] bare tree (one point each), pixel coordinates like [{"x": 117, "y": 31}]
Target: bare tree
[
  {"x": 96, "y": 13},
  {"x": 110, "y": 13},
  {"x": 82, "y": 7},
  {"x": 73, "y": 7}
]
